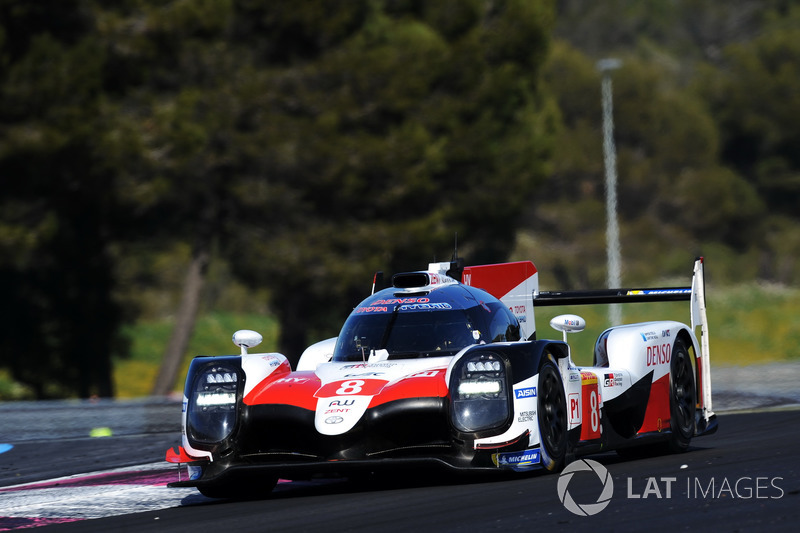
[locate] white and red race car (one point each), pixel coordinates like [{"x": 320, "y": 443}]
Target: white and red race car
[{"x": 444, "y": 370}]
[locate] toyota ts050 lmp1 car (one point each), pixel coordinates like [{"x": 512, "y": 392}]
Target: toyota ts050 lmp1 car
[{"x": 444, "y": 370}]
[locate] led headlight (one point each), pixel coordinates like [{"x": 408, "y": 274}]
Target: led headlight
[
  {"x": 468, "y": 388},
  {"x": 212, "y": 409},
  {"x": 215, "y": 399},
  {"x": 479, "y": 393}
]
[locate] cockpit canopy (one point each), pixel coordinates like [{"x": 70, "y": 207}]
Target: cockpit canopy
[{"x": 435, "y": 323}]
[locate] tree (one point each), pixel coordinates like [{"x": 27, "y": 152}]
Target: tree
[
  {"x": 60, "y": 210},
  {"x": 752, "y": 96},
  {"x": 675, "y": 198},
  {"x": 309, "y": 144},
  {"x": 425, "y": 122}
]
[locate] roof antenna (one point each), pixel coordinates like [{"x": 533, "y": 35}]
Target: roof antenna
[{"x": 456, "y": 263}]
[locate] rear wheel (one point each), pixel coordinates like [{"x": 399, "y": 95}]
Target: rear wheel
[
  {"x": 552, "y": 416},
  {"x": 682, "y": 398}
]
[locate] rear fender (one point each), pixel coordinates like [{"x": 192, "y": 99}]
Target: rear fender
[{"x": 645, "y": 347}]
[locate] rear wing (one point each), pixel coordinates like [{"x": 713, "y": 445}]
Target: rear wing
[{"x": 695, "y": 294}]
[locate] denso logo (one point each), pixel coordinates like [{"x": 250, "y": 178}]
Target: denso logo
[
  {"x": 392, "y": 301},
  {"x": 528, "y": 392},
  {"x": 657, "y": 355}
]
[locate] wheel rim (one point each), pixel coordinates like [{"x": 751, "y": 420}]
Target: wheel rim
[
  {"x": 554, "y": 415},
  {"x": 682, "y": 393}
]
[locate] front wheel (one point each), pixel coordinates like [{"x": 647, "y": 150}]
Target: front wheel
[
  {"x": 552, "y": 417},
  {"x": 682, "y": 398}
]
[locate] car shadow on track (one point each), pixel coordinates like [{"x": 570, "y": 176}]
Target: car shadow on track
[{"x": 413, "y": 479}]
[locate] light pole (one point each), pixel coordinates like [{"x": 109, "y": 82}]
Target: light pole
[{"x": 605, "y": 66}]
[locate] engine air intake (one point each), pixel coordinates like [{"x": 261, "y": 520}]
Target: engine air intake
[{"x": 411, "y": 280}]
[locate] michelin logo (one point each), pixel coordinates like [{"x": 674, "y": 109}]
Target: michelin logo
[
  {"x": 528, "y": 392},
  {"x": 523, "y": 460}
]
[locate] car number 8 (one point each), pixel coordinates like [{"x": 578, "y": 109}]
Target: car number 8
[
  {"x": 350, "y": 387},
  {"x": 595, "y": 417}
]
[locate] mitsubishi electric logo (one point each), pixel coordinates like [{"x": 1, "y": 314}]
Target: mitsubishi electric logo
[{"x": 585, "y": 509}]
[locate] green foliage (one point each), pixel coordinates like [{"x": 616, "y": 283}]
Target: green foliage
[
  {"x": 59, "y": 208},
  {"x": 382, "y": 149},
  {"x": 304, "y": 146},
  {"x": 705, "y": 121},
  {"x": 134, "y": 376},
  {"x": 753, "y": 97}
]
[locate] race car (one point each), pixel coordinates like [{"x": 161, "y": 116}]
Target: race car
[{"x": 444, "y": 370}]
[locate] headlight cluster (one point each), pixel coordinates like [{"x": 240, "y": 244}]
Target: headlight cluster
[
  {"x": 479, "y": 393},
  {"x": 212, "y": 408}
]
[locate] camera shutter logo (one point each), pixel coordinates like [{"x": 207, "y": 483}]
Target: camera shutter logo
[{"x": 585, "y": 509}]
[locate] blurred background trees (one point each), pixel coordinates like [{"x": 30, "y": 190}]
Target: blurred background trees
[{"x": 154, "y": 152}]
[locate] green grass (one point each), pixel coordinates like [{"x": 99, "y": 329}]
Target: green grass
[
  {"x": 755, "y": 324},
  {"x": 748, "y": 324},
  {"x": 134, "y": 376}
]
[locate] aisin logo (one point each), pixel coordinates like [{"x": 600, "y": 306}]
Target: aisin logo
[{"x": 585, "y": 509}]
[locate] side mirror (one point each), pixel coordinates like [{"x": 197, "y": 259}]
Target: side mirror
[
  {"x": 245, "y": 338},
  {"x": 568, "y": 324}
]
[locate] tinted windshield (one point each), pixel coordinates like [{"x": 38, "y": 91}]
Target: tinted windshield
[{"x": 407, "y": 334}]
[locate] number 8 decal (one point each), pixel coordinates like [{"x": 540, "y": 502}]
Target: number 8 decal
[
  {"x": 591, "y": 428},
  {"x": 350, "y": 387}
]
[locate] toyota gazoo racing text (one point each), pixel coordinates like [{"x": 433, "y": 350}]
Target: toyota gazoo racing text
[{"x": 444, "y": 370}]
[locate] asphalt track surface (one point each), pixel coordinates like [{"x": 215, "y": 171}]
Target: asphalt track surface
[{"x": 746, "y": 477}]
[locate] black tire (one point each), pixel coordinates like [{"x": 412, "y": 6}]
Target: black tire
[
  {"x": 682, "y": 398},
  {"x": 552, "y": 416},
  {"x": 250, "y": 490}
]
